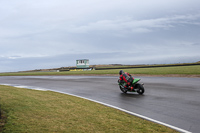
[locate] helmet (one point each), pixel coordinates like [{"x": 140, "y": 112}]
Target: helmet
[{"x": 121, "y": 72}]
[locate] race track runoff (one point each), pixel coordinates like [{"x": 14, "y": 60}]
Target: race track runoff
[{"x": 171, "y": 100}]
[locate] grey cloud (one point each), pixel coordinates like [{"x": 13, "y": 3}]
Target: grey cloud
[
  {"x": 129, "y": 25},
  {"x": 95, "y": 58},
  {"x": 56, "y": 33}
]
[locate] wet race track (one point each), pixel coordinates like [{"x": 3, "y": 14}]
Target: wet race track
[{"x": 174, "y": 101}]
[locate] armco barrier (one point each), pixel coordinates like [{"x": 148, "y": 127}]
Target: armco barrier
[{"x": 147, "y": 66}]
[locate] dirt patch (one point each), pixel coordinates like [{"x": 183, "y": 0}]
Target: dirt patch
[
  {"x": 170, "y": 75},
  {"x": 141, "y": 75},
  {"x": 2, "y": 120}
]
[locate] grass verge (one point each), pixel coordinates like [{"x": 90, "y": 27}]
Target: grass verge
[
  {"x": 45, "y": 111},
  {"x": 177, "y": 70}
]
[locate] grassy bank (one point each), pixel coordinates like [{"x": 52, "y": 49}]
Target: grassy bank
[
  {"x": 45, "y": 111},
  {"x": 179, "y": 70}
]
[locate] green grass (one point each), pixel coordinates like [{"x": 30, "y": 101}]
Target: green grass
[
  {"x": 31, "y": 111},
  {"x": 185, "y": 70},
  {"x": 181, "y": 70}
]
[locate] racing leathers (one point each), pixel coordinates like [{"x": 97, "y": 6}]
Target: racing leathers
[{"x": 126, "y": 77}]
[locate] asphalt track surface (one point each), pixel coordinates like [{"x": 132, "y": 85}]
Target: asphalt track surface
[{"x": 171, "y": 100}]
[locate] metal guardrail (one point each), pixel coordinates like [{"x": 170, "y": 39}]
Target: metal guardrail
[{"x": 146, "y": 66}]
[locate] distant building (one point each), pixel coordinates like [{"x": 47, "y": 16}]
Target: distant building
[{"x": 82, "y": 63}]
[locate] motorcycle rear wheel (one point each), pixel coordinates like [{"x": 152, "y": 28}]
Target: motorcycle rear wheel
[{"x": 123, "y": 89}]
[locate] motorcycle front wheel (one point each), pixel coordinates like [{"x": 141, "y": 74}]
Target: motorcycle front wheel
[{"x": 140, "y": 89}]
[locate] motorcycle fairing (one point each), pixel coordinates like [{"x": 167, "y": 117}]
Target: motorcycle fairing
[{"x": 135, "y": 80}]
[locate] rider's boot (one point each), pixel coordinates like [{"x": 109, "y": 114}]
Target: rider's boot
[{"x": 131, "y": 88}]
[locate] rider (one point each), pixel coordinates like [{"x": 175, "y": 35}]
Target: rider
[{"x": 126, "y": 77}]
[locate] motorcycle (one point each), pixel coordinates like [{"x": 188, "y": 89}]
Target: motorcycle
[{"x": 137, "y": 87}]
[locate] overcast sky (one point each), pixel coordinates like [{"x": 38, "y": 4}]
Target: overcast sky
[{"x": 38, "y": 34}]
